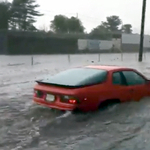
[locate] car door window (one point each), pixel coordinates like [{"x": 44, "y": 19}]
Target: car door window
[
  {"x": 133, "y": 78},
  {"x": 116, "y": 78}
]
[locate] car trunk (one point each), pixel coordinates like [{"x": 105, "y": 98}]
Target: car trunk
[
  {"x": 55, "y": 93},
  {"x": 55, "y": 89}
]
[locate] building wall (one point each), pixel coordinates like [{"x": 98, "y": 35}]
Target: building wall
[
  {"x": 82, "y": 44},
  {"x": 133, "y": 48},
  {"x": 94, "y": 45},
  {"x": 135, "y": 39},
  {"x": 105, "y": 45},
  {"x": 117, "y": 43},
  {"x": 130, "y": 47}
]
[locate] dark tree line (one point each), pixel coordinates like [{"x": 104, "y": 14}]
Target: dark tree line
[
  {"x": 113, "y": 24},
  {"x": 21, "y": 15},
  {"x": 4, "y": 15},
  {"x": 63, "y": 24}
]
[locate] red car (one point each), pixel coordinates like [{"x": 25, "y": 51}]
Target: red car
[{"x": 87, "y": 88}]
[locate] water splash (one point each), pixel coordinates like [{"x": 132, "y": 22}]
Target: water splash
[{"x": 68, "y": 113}]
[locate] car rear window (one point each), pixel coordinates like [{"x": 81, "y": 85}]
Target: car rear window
[{"x": 78, "y": 77}]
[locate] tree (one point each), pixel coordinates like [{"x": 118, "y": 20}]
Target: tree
[
  {"x": 59, "y": 24},
  {"x": 127, "y": 28},
  {"x": 75, "y": 25},
  {"x": 23, "y": 14},
  {"x": 4, "y": 15},
  {"x": 63, "y": 24},
  {"x": 113, "y": 23},
  {"x": 107, "y": 28},
  {"x": 101, "y": 32}
]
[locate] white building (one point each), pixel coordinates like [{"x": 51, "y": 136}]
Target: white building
[
  {"x": 131, "y": 42},
  {"x": 125, "y": 43}
]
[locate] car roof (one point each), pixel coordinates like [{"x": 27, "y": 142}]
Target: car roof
[{"x": 107, "y": 67}]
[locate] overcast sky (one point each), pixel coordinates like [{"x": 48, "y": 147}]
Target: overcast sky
[{"x": 92, "y": 12}]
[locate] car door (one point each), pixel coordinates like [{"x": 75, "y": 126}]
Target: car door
[
  {"x": 137, "y": 84},
  {"x": 120, "y": 89}
]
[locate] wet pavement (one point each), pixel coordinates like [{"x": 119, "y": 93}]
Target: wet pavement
[{"x": 26, "y": 126}]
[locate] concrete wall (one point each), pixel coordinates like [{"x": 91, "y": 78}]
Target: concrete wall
[
  {"x": 133, "y": 48},
  {"x": 117, "y": 43},
  {"x": 94, "y": 45},
  {"x": 130, "y": 47},
  {"x": 106, "y": 45},
  {"x": 135, "y": 39},
  {"x": 82, "y": 44}
]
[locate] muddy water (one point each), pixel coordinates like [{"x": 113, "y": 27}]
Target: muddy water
[{"x": 26, "y": 126}]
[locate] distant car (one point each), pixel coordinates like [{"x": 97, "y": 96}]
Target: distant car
[{"x": 87, "y": 88}]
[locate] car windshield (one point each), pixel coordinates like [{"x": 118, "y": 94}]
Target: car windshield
[{"x": 78, "y": 77}]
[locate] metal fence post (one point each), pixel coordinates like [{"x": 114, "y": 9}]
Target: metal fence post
[
  {"x": 32, "y": 61},
  {"x": 99, "y": 55},
  {"x": 69, "y": 58},
  {"x": 121, "y": 56},
  {"x": 32, "y": 51}
]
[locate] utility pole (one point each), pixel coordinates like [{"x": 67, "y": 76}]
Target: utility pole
[{"x": 142, "y": 31}]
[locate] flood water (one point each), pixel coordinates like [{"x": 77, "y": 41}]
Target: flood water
[{"x": 26, "y": 126}]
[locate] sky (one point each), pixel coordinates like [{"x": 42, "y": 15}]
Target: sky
[{"x": 92, "y": 12}]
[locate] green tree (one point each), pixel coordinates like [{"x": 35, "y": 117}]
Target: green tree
[
  {"x": 59, "y": 24},
  {"x": 113, "y": 23},
  {"x": 127, "y": 28},
  {"x": 4, "y": 15},
  {"x": 75, "y": 25},
  {"x": 63, "y": 24},
  {"x": 101, "y": 32},
  {"x": 107, "y": 28},
  {"x": 24, "y": 14}
]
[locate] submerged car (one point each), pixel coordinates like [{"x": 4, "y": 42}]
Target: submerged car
[{"x": 87, "y": 88}]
